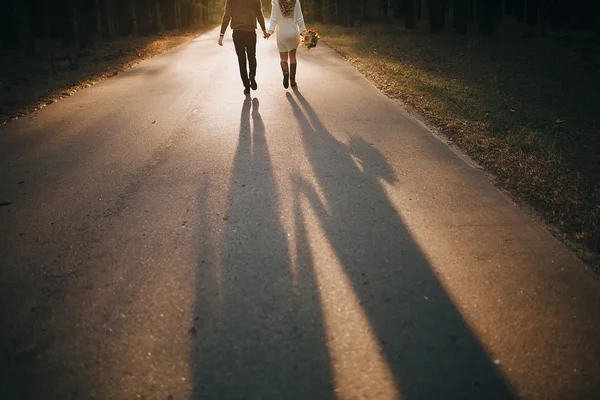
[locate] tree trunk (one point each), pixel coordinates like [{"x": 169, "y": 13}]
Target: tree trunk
[
  {"x": 410, "y": 21},
  {"x": 436, "y": 15},
  {"x": 396, "y": 11},
  {"x": 472, "y": 10},
  {"x": 75, "y": 24},
  {"x": 487, "y": 19},
  {"x": 333, "y": 12},
  {"x": 509, "y": 7},
  {"x": 187, "y": 14},
  {"x": 519, "y": 9},
  {"x": 98, "y": 14},
  {"x": 158, "y": 21},
  {"x": 341, "y": 11},
  {"x": 353, "y": 12},
  {"x": 364, "y": 10},
  {"x": 25, "y": 34},
  {"x": 133, "y": 16},
  {"x": 327, "y": 11},
  {"x": 149, "y": 18},
  {"x": 560, "y": 13},
  {"x": 499, "y": 9},
  {"x": 461, "y": 16},
  {"x": 106, "y": 21},
  {"x": 531, "y": 12},
  {"x": 205, "y": 11}
]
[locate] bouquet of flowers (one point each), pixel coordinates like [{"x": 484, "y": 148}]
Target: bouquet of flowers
[{"x": 310, "y": 39}]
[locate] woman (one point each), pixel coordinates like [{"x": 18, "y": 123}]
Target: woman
[{"x": 287, "y": 21}]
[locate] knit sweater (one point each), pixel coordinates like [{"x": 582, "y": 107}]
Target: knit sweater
[{"x": 243, "y": 15}]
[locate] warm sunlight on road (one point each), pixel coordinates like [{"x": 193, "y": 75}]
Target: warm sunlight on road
[
  {"x": 358, "y": 362},
  {"x": 166, "y": 237}
]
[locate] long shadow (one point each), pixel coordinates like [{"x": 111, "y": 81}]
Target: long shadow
[
  {"x": 431, "y": 351},
  {"x": 259, "y": 332}
]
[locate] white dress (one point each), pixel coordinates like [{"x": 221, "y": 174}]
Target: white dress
[{"x": 287, "y": 29}]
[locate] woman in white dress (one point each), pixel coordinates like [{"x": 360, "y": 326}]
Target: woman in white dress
[{"x": 288, "y": 23}]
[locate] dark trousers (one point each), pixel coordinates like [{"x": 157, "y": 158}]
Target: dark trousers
[{"x": 245, "y": 44}]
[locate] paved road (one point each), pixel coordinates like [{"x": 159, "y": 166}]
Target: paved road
[{"x": 163, "y": 235}]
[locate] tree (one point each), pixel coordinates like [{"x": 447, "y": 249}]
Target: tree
[
  {"x": 205, "y": 10},
  {"x": 80, "y": 22},
  {"x": 437, "y": 15},
  {"x": 109, "y": 19},
  {"x": 560, "y": 13},
  {"x": 8, "y": 28},
  {"x": 329, "y": 11},
  {"x": 420, "y": 7},
  {"x": 25, "y": 34},
  {"x": 531, "y": 12},
  {"x": 461, "y": 16},
  {"x": 472, "y": 10},
  {"x": 410, "y": 21},
  {"x": 519, "y": 9},
  {"x": 383, "y": 7},
  {"x": 149, "y": 18},
  {"x": 177, "y": 13},
  {"x": 341, "y": 12},
  {"x": 487, "y": 16},
  {"x": 98, "y": 14},
  {"x": 133, "y": 15},
  {"x": 156, "y": 10}
]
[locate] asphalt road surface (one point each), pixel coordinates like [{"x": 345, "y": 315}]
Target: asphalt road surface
[{"x": 163, "y": 236}]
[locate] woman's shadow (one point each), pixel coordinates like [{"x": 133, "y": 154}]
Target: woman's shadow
[
  {"x": 431, "y": 351},
  {"x": 257, "y": 337}
]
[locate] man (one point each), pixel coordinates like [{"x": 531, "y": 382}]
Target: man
[{"x": 243, "y": 15}]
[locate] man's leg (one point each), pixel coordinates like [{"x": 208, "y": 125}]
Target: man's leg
[
  {"x": 251, "y": 50},
  {"x": 239, "y": 41}
]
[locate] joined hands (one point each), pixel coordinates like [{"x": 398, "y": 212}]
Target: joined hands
[{"x": 266, "y": 35}]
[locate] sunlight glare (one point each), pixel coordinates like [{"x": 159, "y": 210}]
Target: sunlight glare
[{"x": 359, "y": 367}]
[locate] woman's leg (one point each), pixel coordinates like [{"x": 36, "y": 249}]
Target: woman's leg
[
  {"x": 293, "y": 65},
  {"x": 284, "y": 68}
]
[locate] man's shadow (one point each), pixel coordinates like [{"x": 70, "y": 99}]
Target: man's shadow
[
  {"x": 431, "y": 351},
  {"x": 257, "y": 336}
]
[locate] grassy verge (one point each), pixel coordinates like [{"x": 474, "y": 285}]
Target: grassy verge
[
  {"x": 30, "y": 84},
  {"x": 523, "y": 106}
]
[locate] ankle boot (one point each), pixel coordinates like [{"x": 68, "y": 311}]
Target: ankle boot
[
  {"x": 286, "y": 74},
  {"x": 293, "y": 74}
]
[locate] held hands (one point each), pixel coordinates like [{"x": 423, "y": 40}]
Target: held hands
[{"x": 266, "y": 35}]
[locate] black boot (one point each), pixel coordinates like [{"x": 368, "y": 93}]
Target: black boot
[
  {"x": 293, "y": 74},
  {"x": 286, "y": 74},
  {"x": 246, "y": 83},
  {"x": 253, "y": 84}
]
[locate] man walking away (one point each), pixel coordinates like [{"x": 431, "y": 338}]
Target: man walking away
[{"x": 243, "y": 15}]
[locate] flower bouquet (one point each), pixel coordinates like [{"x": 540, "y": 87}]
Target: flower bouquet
[{"x": 310, "y": 39}]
